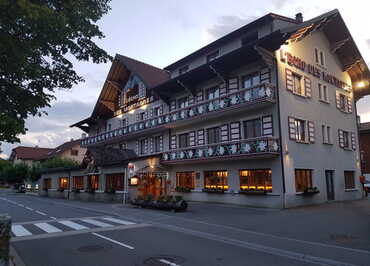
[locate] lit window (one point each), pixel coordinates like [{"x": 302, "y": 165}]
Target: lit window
[
  {"x": 114, "y": 182},
  {"x": 215, "y": 180},
  {"x": 255, "y": 180},
  {"x": 303, "y": 179},
  {"x": 300, "y": 129},
  {"x": 349, "y": 179},
  {"x": 63, "y": 183},
  {"x": 78, "y": 182},
  {"x": 185, "y": 179},
  {"x": 297, "y": 85}
]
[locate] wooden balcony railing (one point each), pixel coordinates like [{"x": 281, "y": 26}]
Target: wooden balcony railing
[
  {"x": 250, "y": 147},
  {"x": 250, "y": 96}
]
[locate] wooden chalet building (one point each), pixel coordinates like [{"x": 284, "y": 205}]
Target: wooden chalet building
[{"x": 263, "y": 116}]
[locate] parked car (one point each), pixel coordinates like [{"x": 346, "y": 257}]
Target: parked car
[{"x": 19, "y": 188}]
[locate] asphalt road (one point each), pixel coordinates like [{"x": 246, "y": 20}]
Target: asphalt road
[{"x": 55, "y": 232}]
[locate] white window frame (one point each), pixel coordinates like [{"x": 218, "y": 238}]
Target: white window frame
[
  {"x": 326, "y": 134},
  {"x": 301, "y": 84},
  {"x": 323, "y": 93},
  {"x": 319, "y": 57}
]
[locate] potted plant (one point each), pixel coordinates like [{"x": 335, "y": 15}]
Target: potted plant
[
  {"x": 251, "y": 191},
  {"x": 311, "y": 190},
  {"x": 213, "y": 190},
  {"x": 183, "y": 189}
]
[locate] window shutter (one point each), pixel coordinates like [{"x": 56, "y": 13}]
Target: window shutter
[
  {"x": 353, "y": 140},
  {"x": 161, "y": 143},
  {"x": 341, "y": 138},
  {"x": 235, "y": 131},
  {"x": 233, "y": 84},
  {"x": 151, "y": 145},
  {"x": 337, "y": 99},
  {"x": 137, "y": 147},
  {"x": 225, "y": 132},
  {"x": 307, "y": 86},
  {"x": 292, "y": 129},
  {"x": 289, "y": 79},
  {"x": 146, "y": 145},
  {"x": 265, "y": 75},
  {"x": 191, "y": 100},
  {"x": 161, "y": 109},
  {"x": 200, "y": 96},
  {"x": 137, "y": 117},
  {"x": 201, "y": 137},
  {"x": 173, "y": 142},
  {"x": 349, "y": 104},
  {"x": 267, "y": 129},
  {"x": 223, "y": 89},
  {"x": 311, "y": 131},
  {"x": 172, "y": 105},
  {"x": 192, "y": 138},
  {"x": 146, "y": 115},
  {"x": 152, "y": 112}
]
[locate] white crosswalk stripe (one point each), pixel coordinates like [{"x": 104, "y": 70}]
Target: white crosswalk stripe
[
  {"x": 95, "y": 222},
  {"x": 118, "y": 221},
  {"x": 73, "y": 225},
  {"x": 19, "y": 230},
  {"x": 48, "y": 228}
]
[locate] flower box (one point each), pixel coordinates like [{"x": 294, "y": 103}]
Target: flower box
[
  {"x": 213, "y": 190},
  {"x": 183, "y": 189},
  {"x": 253, "y": 191},
  {"x": 163, "y": 203},
  {"x": 311, "y": 191}
]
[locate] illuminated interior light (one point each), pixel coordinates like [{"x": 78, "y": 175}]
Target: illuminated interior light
[
  {"x": 131, "y": 111},
  {"x": 360, "y": 84},
  {"x": 144, "y": 107}
]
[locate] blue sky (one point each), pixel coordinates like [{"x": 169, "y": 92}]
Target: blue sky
[{"x": 163, "y": 31}]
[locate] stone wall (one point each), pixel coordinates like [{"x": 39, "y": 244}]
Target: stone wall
[{"x": 5, "y": 229}]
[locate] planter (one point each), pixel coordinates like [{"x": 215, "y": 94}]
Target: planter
[
  {"x": 178, "y": 205},
  {"x": 253, "y": 192},
  {"x": 213, "y": 190},
  {"x": 183, "y": 189},
  {"x": 311, "y": 191}
]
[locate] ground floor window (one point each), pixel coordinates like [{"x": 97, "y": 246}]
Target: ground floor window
[
  {"x": 47, "y": 183},
  {"x": 78, "y": 182},
  {"x": 215, "y": 179},
  {"x": 63, "y": 182},
  {"x": 114, "y": 181},
  {"x": 303, "y": 179},
  {"x": 93, "y": 182},
  {"x": 185, "y": 179},
  {"x": 257, "y": 179},
  {"x": 349, "y": 179}
]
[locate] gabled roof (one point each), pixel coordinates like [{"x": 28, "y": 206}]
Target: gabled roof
[
  {"x": 29, "y": 153},
  {"x": 62, "y": 148},
  {"x": 103, "y": 156}
]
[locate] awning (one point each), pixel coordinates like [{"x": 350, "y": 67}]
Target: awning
[{"x": 153, "y": 169}]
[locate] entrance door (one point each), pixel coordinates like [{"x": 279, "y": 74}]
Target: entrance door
[
  {"x": 151, "y": 184},
  {"x": 329, "y": 175}
]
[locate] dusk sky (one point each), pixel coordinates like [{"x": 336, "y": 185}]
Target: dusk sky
[{"x": 163, "y": 31}]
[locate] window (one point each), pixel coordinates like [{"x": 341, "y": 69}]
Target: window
[
  {"x": 142, "y": 116},
  {"x": 252, "y": 128},
  {"x": 345, "y": 139},
  {"x": 182, "y": 103},
  {"x": 93, "y": 182},
  {"x": 297, "y": 85},
  {"x": 114, "y": 181},
  {"x": 156, "y": 111},
  {"x": 215, "y": 179},
  {"x": 326, "y": 134},
  {"x": 142, "y": 146},
  {"x": 183, "y": 70},
  {"x": 256, "y": 179},
  {"x": 78, "y": 182},
  {"x": 123, "y": 146},
  {"x": 342, "y": 101},
  {"x": 322, "y": 59},
  {"x": 213, "y": 56},
  {"x": 303, "y": 179},
  {"x": 184, "y": 140},
  {"x": 349, "y": 179},
  {"x": 251, "y": 80},
  {"x": 185, "y": 179},
  {"x": 109, "y": 127},
  {"x": 213, "y": 135},
  {"x": 123, "y": 122},
  {"x": 300, "y": 130},
  {"x": 47, "y": 183},
  {"x": 213, "y": 93},
  {"x": 316, "y": 55},
  {"x": 63, "y": 182},
  {"x": 323, "y": 93},
  {"x": 319, "y": 57},
  {"x": 74, "y": 152},
  {"x": 157, "y": 143}
]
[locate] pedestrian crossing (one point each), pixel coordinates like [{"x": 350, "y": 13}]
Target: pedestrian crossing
[{"x": 64, "y": 225}]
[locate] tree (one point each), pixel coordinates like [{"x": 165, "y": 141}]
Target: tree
[
  {"x": 57, "y": 162},
  {"x": 37, "y": 39}
]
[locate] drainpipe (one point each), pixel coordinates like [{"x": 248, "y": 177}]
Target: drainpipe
[
  {"x": 69, "y": 183},
  {"x": 125, "y": 186},
  {"x": 280, "y": 132}
]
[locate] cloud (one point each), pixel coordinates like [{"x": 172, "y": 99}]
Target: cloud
[
  {"x": 368, "y": 42},
  {"x": 279, "y": 3},
  {"x": 227, "y": 24}
]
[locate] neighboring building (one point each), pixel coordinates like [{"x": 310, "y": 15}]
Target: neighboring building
[
  {"x": 365, "y": 149},
  {"x": 69, "y": 150},
  {"x": 263, "y": 116},
  {"x": 28, "y": 155}
]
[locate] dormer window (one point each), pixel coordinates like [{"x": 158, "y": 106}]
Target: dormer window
[
  {"x": 213, "y": 56},
  {"x": 183, "y": 70}
]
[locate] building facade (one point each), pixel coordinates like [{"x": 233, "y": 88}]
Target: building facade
[{"x": 264, "y": 116}]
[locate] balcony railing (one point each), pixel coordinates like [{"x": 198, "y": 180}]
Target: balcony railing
[
  {"x": 251, "y": 147},
  {"x": 261, "y": 93}
]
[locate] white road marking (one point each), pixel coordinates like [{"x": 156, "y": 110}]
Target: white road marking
[
  {"x": 20, "y": 205},
  {"x": 97, "y": 223},
  {"x": 19, "y": 230},
  {"x": 118, "y": 221},
  {"x": 73, "y": 225},
  {"x": 113, "y": 241},
  {"x": 40, "y": 213},
  {"x": 28, "y": 208},
  {"x": 168, "y": 262},
  {"x": 52, "y": 217},
  {"x": 48, "y": 228}
]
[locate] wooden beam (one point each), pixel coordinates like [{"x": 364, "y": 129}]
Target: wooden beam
[
  {"x": 267, "y": 56},
  {"x": 217, "y": 73},
  {"x": 339, "y": 44},
  {"x": 110, "y": 105},
  {"x": 115, "y": 84}
]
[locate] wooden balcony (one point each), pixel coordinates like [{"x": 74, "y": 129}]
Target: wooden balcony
[
  {"x": 250, "y": 98},
  {"x": 264, "y": 147}
]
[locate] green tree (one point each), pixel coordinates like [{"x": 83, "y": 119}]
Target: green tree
[
  {"x": 37, "y": 40},
  {"x": 57, "y": 162}
]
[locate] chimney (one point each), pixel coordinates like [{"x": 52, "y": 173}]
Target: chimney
[
  {"x": 299, "y": 17},
  {"x": 83, "y": 135}
]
